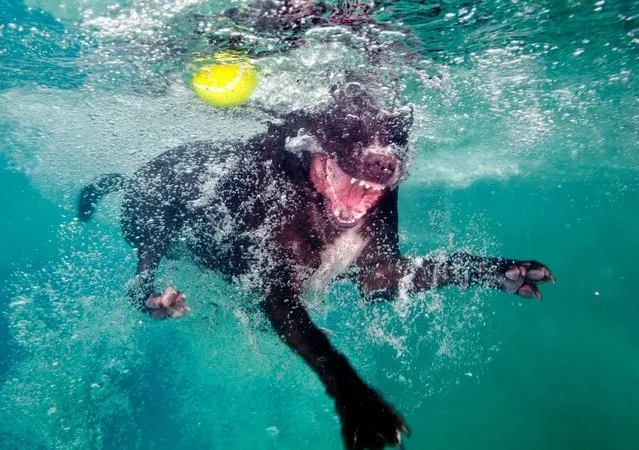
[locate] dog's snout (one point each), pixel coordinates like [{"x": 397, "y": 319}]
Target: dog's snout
[{"x": 380, "y": 167}]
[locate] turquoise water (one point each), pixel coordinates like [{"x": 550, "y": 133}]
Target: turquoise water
[{"x": 525, "y": 145}]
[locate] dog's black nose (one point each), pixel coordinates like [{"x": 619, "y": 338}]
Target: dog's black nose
[{"x": 379, "y": 167}]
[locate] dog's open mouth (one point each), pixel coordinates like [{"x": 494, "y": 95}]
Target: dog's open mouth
[{"x": 347, "y": 198}]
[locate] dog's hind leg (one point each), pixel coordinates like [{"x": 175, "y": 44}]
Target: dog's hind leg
[
  {"x": 142, "y": 292},
  {"x": 142, "y": 285},
  {"x": 152, "y": 216},
  {"x": 150, "y": 229}
]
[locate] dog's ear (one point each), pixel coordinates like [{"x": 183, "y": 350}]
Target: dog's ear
[
  {"x": 304, "y": 142},
  {"x": 297, "y": 165},
  {"x": 297, "y": 154}
]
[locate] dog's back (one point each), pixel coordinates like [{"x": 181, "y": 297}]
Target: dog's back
[{"x": 225, "y": 201}]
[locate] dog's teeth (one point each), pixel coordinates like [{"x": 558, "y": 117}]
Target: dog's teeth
[
  {"x": 336, "y": 212},
  {"x": 361, "y": 183},
  {"x": 353, "y": 180},
  {"x": 367, "y": 186}
]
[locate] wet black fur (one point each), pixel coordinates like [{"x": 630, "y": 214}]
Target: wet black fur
[{"x": 249, "y": 209}]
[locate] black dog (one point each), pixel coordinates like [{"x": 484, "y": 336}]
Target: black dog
[{"x": 311, "y": 199}]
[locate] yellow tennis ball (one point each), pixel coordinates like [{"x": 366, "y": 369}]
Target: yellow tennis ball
[{"x": 225, "y": 85}]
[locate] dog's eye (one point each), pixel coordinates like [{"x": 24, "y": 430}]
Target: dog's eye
[{"x": 350, "y": 123}]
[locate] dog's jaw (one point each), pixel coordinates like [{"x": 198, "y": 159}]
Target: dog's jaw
[{"x": 347, "y": 199}]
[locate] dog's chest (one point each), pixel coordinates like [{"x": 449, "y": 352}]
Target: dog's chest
[{"x": 336, "y": 257}]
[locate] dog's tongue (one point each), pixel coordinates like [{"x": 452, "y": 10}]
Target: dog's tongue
[
  {"x": 352, "y": 192},
  {"x": 348, "y": 198},
  {"x": 349, "y": 194}
]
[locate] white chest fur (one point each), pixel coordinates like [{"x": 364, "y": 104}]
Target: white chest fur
[{"x": 336, "y": 257}]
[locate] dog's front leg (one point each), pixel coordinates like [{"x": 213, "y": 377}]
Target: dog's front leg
[
  {"x": 387, "y": 277},
  {"x": 513, "y": 276},
  {"x": 367, "y": 420}
]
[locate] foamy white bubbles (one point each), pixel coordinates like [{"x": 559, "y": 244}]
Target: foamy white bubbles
[{"x": 65, "y": 138}]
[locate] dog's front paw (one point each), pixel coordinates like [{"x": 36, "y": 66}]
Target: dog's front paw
[
  {"x": 522, "y": 277},
  {"x": 368, "y": 422},
  {"x": 168, "y": 304}
]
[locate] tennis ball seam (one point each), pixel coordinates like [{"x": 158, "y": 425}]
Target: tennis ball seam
[
  {"x": 225, "y": 88},
  {"x": 216, "y": 84}
]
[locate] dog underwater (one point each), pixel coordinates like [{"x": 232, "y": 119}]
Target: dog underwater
[{"x": 312, "y": 199}]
